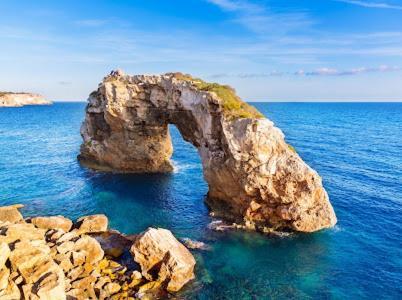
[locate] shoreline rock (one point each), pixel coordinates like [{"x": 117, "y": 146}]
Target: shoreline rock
[
  {"x": 53, "y": 258},
  {"x": 195, "y": 245},
  {"x": 163, "y": 258},
  {"x": 255, "y": 178},
  {"x": 9, "y": 99}
]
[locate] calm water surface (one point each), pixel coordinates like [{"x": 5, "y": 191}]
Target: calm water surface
[{"x": 357, "y": 149}]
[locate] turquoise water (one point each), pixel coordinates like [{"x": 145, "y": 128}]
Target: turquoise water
[{"x": 357, "y": 148}]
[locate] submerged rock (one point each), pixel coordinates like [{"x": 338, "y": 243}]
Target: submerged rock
[
  {"x": 219, "y": 225},
  {"x": 163, "y": 258},
  {"x": 255, "y": 178},
  {"x": 191, "y": 244}
]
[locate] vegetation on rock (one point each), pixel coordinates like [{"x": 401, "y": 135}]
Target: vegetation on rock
[
  {"x": 233, "y": 106},
  {"x": 292, "y": 148},
  {"x": 127, "y": 122}
]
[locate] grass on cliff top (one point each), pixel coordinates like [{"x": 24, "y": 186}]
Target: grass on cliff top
[{"x": 233, "y": 106}]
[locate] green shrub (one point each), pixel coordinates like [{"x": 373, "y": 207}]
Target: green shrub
[{"x": 233, "y": 106}]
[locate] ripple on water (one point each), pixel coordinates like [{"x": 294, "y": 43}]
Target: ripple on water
[{"x": 355, "y": 148}]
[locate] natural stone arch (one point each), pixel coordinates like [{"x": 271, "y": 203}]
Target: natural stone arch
[{"x": 254, "y": 177}]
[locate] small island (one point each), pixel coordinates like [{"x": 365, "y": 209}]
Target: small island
[{"x": 11, "y": 99}]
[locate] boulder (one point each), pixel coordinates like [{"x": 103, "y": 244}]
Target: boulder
[
  {"x": 90, "y": 247},
  {"x": 196, "y": 245},
  {"x": 163, "y": 258},
  {"x": 92, "y": 224},
  {"x": 110, "y": 289},
  {"x": 11, "y": 213},
  {"x": 44, "y": 279},
  {"x": 22, "y": 232},
  {"x": 53, "y": 222},
  {"x": 113, "y": 242}
]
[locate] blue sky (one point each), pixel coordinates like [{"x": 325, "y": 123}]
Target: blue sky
[{"x": 277, "y": 50}]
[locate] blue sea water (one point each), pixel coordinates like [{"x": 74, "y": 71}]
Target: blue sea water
[{"x": 356, "y": 148}]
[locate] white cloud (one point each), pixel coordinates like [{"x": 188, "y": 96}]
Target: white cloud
[
  {"x": 317, "y": 72},
  {"x": 262, "y": 19},
  {"x": 355, "y": 71},
  {"x": 370, "y": 4},
  {"x": 239, "y": 5}
]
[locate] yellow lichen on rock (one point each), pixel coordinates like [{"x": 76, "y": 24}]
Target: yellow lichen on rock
[{"x": 41, "y": 262}]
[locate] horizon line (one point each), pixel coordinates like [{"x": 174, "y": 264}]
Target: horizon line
[{"x": 276, "y": 101}]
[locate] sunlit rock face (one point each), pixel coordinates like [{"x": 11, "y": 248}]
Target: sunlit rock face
[
  {"x": 255, "y": 178},
  {"x": 9, "y": 99}
]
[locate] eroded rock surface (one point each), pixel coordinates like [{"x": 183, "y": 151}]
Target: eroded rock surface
[
  {"x": 41, "y": 262},
  {"x": 53, "y": 222},
  {"x": 255, "y": 178},
  {"x": 92, "y": 224},
  {"x": 163, "y": 258},
  {"x": 11, "y": 213}
]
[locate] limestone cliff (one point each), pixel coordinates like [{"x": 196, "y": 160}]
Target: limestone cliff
[
  {"x": 255, "y": 178},
  {"x": 9, "y": 99}
]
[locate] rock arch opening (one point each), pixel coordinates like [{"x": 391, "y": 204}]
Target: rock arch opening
[
  {"x": 254, "y": 178},
  {"x": 185, "y": 156}
]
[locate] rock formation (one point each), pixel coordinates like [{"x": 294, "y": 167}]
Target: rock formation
[
  {"x": 9, "y": 99},
  {"x": 255, "y": 178},
  {"x": 50, "y": 258},
  {"x": 163, "y": 258}
]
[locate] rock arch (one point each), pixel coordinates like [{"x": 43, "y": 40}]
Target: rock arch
[{"x": 255, "y": 178}]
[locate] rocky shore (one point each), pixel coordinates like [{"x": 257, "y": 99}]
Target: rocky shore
[
  {"x": 54, "y": 258},
  {"x": 9, "y": 99}
]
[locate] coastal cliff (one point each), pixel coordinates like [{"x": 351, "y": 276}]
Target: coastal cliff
[
  {"x": 9, "y": 99},
  {"x": 255, "y": 178},
  {"x": 52, "y": 258}
]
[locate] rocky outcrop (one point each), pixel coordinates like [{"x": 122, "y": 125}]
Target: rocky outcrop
[
  {"x": 43, "y": 258},
  {"x": 163, "y": 258},
  {"x": 9, "y": 99},
  {"x": 255, "y": 178}
]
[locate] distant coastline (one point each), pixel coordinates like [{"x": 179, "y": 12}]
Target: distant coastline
[{"x": 12, "y": 99}]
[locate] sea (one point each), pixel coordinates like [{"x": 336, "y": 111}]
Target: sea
[{"x": 355, "y": 147}]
